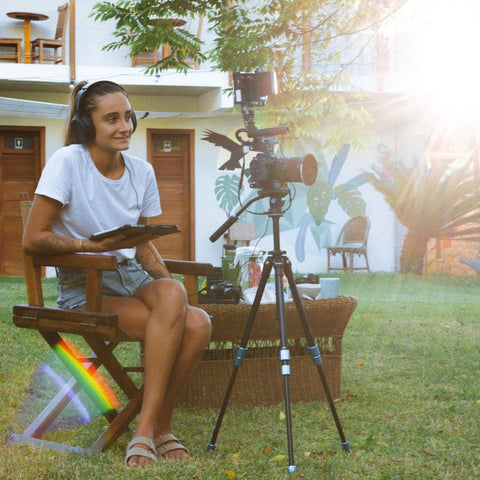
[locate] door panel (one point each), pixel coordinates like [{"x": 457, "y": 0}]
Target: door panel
[
  {"x": 20, "y": 166},
  {"x": 171, "y": 154}
]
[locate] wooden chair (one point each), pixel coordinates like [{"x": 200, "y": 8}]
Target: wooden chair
[
  {"x": 351, "y": 241},
  {"x": 99, "y": 330},
  {"x": 41, "y": 44},
  {"x": 11, "y": 43}
]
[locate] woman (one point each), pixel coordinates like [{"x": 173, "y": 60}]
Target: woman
[{"x": 91, "y": 185}]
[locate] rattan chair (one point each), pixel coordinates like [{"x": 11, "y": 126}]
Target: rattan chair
[
  {"x": 11, "y": 43},
  {"x": 351, "y": 241},
  {"x": 101, "y": 333},
  {"x": 40, "y": 45}
]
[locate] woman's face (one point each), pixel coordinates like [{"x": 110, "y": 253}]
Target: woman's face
[{"x": 112, "y": 118}]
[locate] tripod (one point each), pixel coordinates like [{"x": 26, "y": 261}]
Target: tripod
[{"x": 278, "y": 260}]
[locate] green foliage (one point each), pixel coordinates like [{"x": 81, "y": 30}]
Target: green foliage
[
  {"x": 145, "y": 25},
  {"x": 310, "y": 44},
  {"x": 434, "y": 200}
]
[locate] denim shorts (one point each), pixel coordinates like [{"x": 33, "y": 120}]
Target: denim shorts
[{"x": 123, "y": 282}]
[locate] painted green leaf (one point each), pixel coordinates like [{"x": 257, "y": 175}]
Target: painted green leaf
[
  {"x": 318, "y": 200},
  {"x": 226, "y": 191},
  {"x": 350, "y": 199}
]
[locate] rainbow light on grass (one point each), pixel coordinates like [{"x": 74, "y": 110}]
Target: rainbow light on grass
[{"x": 90, "y": 380}]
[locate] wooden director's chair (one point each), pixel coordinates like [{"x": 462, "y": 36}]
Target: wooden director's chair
[{"x": 100, "y": 331}]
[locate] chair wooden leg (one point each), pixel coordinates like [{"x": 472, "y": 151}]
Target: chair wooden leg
[
  {"x": 120, "y": 423},
  {"x": 366, "y": 261},
  {"x": 350, "y": 257}
]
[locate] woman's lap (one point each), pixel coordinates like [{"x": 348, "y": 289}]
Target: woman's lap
[{"x": 123, "y": 282}]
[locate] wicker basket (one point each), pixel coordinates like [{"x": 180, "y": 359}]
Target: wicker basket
[{"x": 259, "y": 381}]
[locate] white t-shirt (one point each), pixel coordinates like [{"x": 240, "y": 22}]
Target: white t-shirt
[{"x": 92, "y": 202}]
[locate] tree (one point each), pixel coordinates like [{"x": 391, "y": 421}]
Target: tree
[
  {"x": 309, "y": 43},
  {"x": 145, "y": 25},
  {"x": 432, "y": 200}
]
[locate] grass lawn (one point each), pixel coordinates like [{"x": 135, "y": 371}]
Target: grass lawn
[{"x": 410, "y": 404}]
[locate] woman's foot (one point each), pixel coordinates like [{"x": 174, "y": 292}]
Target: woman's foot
[
  {"x": 140, "y": 452},
  {"x": 170, "y": 447}
]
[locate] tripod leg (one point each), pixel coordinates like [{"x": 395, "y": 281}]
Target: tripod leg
[
  {"x": 284, "y": 356},
  {"x": 314, "y": 350},
  {"x": 242, "y": 348}
]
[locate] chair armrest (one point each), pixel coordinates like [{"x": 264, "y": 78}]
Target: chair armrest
[
  {"x": 93, "y": 264},
  {"x": 186, "y": 267},
  {"x": 50, "y": 319},
  {"x": 76, "y": 260}
]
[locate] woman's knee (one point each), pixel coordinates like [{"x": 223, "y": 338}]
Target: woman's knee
[
  {"x": 164, "y": 293},
  {"x": 198, "y": 324}
]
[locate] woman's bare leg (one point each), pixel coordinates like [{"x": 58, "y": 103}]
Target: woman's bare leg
[
  {"x": 196, "y": 337},
  {"x": 157, "y": 316}
]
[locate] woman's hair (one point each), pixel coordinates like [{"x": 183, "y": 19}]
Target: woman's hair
[{"x": 83, "y": 101}]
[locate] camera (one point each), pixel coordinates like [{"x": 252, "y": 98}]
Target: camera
[
  {"x": 267, "y": 169},
  {"x": 218, "y": 290}
]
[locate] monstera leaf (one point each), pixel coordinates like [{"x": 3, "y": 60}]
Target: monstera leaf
[
  {"x": 318, "y": 200},
  {"x": 227, "y": 191},
  {"x": 350, "y": 199}
]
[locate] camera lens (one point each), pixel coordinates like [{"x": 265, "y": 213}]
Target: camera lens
[{"x": 301, "y": 169}]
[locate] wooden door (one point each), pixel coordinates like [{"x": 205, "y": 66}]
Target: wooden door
[
  {"x": 21, "y": 160},
  {"x": 172, "y": 156}
]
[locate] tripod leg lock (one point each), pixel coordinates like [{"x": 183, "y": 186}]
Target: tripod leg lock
[
  {"x": 240, "y": 355},
  {"x": 315, "y": 354},
  {"x": 285, "y": 357}
]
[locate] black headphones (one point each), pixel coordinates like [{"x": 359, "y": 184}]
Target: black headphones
[{"x": 81, "y": 125}]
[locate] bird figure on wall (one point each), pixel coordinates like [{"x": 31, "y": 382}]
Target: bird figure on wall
[{"x": 235, "y": 149}]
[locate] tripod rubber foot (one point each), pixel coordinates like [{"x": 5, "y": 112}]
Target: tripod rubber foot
[
  {"x": 211, "y": 447},
  {"x": 292, "y": 468},
  {"x": 346, "y": 446}
]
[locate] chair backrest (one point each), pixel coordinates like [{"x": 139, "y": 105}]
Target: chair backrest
[
  {"x": 355, "y": 231},
  {"x": 61, "y": 22}
]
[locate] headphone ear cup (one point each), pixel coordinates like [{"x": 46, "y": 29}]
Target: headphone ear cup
[{"x": 82, "y": 128}]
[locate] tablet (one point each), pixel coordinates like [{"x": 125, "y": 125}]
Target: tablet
[{"x": 134, "y": 230}]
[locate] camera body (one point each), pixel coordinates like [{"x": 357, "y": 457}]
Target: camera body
[
  {"x": 267, "y": 168},
  {"x": 218, "y": 290},
  {"x": 221, "y": 293}
]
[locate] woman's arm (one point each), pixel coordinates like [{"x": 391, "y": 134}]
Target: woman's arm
[
  {"x": 149, "y": 258},
  {"x": 38, "y": 236},
  {"x": 151, "y": 261}
]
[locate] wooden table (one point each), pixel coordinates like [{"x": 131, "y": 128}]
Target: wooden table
[{"x": 27, "y": 18}]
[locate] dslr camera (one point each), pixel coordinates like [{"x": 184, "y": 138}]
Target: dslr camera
[{"x": 218, "y": 290}]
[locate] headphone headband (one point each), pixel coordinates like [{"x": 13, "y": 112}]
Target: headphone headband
[{"x": 82, "y": 91}]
